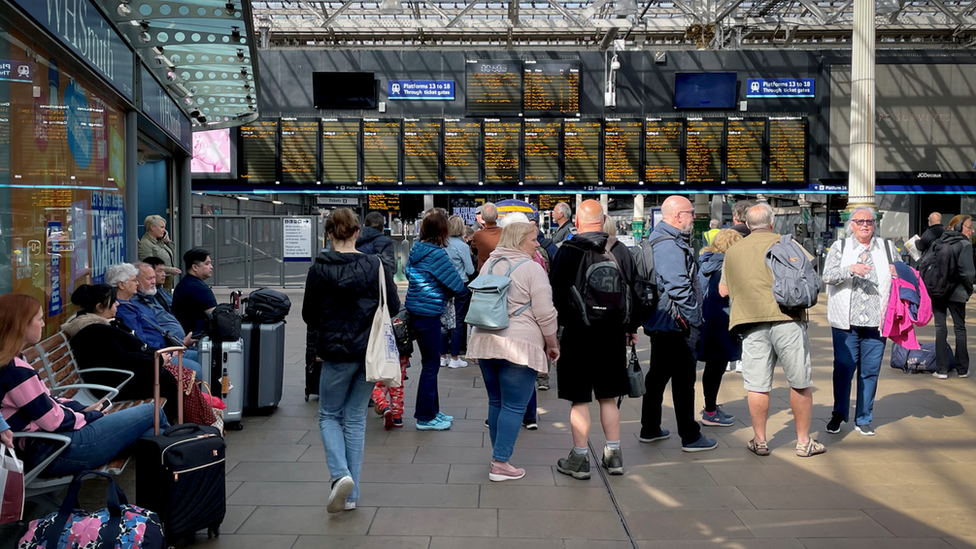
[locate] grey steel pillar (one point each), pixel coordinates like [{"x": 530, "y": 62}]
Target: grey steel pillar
[
  {"x": 860, "y": 186},
  {"x": 184, "y": 189},
  {"x": 132, "y": 186},
  {"x": 428, "y": 201}
]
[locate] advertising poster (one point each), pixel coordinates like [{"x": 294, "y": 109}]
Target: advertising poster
[{"x": 108, "y": 232}]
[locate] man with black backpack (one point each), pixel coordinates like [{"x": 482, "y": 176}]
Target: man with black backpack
[
  {"x": 947, "y": 270},
  {"x": 593, "y": 288},
  {"x": 675, "y": 297}
]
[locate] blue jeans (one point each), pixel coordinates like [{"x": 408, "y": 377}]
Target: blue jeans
[
  {"x": 452, "y": 338},
  {"x": 858, "y": 349},
  {"x": 509, "y": 387},
  {"x": 427, "y": 331},
  {"x": 532, "y": 407},
  {"x": 105, "y": 438},
  {"x": 190, "y": 361},
  {"x": 343, "y": 400}
]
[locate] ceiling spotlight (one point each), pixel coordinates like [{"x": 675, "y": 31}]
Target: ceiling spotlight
[
  {"x": 240, "y": 54},
  {"x": 391, "y": 7},
  {"x": 244, "y": 73},
  {"x": 202, "y": 120},
  {"x": 229, "y": 6},
  {"x": 144, "y": 34},
  {"x": 236, "y": 33},
  {"x": 195, "y": 113},
  {"x": 124, "y": 10},
  {"x": 171, "y": 76}
]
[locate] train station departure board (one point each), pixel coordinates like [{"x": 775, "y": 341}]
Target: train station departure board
[
  {"x": 662, "y": 150},
  {"x": 703, "y": 150},
  {"x": 383, "y": 202},
  {"x": 421, "y": 151},
  {"x": 258, "y": 142},
  {"x": 502, "y": 150},
  {"x": 581, "y": 151},
  {"x": 552, "y": 88},
  {"x": 744, "y": 150},
  {"x": 299, "y": 161},
  {"x": 493, "y": 88},
  {"x": 621, "y": 150},
  {"x": 462, "y": 150},
  {"x": 381, "y": 151},
  {"x": 541, "y": 150},
  {"x": 340, "y": 151},
  {"x": 547, "y": 202},
  {"x": 787, "y": 150}
]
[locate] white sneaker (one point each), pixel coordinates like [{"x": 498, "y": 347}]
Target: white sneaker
[
  {"x": 738, "y": 366},
  {"x": 453, "y": 364},
  {"x": 730, "y": 366},
  {"x": 350, "y": 506},
  {"x": 444, "y": 361}
]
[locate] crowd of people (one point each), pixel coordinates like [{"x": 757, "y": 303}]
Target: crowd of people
[{"x": 562, "y": 293}]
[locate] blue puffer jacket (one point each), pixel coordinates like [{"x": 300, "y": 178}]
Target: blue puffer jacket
[{"x": 431, "y": 276}]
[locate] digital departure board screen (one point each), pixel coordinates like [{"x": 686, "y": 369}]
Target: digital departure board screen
[
  {"x": 552, "y": 88},
  {"x": 462, "y": 149},
  {"x": 581, "y": 151},
  {"x": 621, "y": 151},
  {"x": 421, "y": 151},
  {"x": 299, "y": 163},
  {"x": 541, "y": 150},
  {"x": 493, "y": 88},
  {"x": 258, "y": 141},
  {"x": 703, "y": 150},
  {"x": 383, "y": 202},
  {"x": 502, "y": 145},
  {"x": 662, "y": 150},
  {"x": 547, "y": 202},
  {"x": 744, "y": 150},
  {"x": 381, "y": 151},
  {"x": 787, "y": 150},
  {"x": 340, "y": 151}
]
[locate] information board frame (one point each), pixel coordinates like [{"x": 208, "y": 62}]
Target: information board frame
[
  {"x": 805, "y": 150},
  {"x": 439, "y": 146},
  {"x": 559, "y": 150},
  {"x": 764, "y": 149},
  {"x": 518, "y": 151},
  {"x": 276, "y": 148},
  {"x": 493, "y": 66},
  {"x": 681, "y": 150},
  {"x": 528, "y": 64},
  {"x": 598, "y": 175},
  {"x": 397, "y": 150},
  {"x": 359, "y": 149},
  {"x": 480, "y": 152},
  {"x": 721, "y": 149},
  {"x": 639, "y": 148},
  {"x": 316, "y": 152}
]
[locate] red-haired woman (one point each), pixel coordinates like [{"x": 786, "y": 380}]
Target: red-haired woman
[{"x": 27, "y": 405}]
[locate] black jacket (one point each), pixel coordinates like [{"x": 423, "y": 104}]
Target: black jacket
[
  {"x": 933, "y": 233},
  {"x": 742, "y": 229},
  {"x": 566, "y": 263},
  {"x": 341, "y": 296},
  {"x": 965, "y": 271},
  {"x": 372, "y": 241}
]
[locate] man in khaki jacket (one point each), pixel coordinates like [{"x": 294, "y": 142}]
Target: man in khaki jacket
[{"x": 769, "y": 334}]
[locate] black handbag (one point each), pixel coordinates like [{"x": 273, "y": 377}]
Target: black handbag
[{"x": 635, "y": 375}]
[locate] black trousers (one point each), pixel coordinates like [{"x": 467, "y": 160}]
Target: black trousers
[
  {"x": 674, "y": 359},
  {"x": 958, "y": 312},
  {"x": 712, "y": 381}
]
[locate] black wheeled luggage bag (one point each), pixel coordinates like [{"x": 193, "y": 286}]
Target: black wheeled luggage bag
[
  {"x": 180, "y": 475},
  {"x": 264, "y": 351}
]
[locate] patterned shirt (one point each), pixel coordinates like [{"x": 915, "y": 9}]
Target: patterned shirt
[{"x": 865, "y": 299}]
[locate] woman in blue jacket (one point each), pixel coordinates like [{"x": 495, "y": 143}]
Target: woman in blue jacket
[{"x": 432, "y": 279}]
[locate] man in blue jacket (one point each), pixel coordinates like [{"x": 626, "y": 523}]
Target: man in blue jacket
[{"x": 674, "y": 328}]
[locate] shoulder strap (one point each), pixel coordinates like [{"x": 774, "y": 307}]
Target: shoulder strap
[
  {"x": 611, "y": 241},
  {"x": 785, "y": 239},
  {"x": 887, "y": 248},
  {"x": 491, "y": 267}
]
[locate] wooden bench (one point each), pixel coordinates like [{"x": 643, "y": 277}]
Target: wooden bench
[{"x": 56, "y": 367}]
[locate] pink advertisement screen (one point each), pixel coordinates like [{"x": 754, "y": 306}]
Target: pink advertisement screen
[{"x": 211, "y": 152}]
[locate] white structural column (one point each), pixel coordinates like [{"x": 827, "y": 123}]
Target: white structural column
[
  {"x": 579, "y": 200},
  {"x": 701, "y": 205},
  {"x": 638, "y": 207},
  {"x": 605, "y": 202},
  {"x": 860, "y": 186},
  {"x": 428, "y": 201}
]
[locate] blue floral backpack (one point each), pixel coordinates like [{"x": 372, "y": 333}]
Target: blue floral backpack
[{"x": 117, "y": 526}]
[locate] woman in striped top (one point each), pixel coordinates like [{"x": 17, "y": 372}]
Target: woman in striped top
[{"x": 26, "y": 403}]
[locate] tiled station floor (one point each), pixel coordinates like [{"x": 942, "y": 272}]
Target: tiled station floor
[{"x": 911, "y": 486}]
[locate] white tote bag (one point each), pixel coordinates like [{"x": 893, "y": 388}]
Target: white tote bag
[
  {"x": 382, "y": 355},
  {"x": 11, "y": 486}
]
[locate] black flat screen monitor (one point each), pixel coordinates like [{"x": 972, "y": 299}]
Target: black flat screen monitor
[
  {"x": 704, "y": 90},
  {"x": 344, "y": 90}
]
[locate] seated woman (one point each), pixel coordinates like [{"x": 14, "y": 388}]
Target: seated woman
[
  {"x": 99, "y": 340},
  {"x": 27, "y": 404}
]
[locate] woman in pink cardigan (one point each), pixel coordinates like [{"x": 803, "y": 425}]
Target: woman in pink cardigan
[{"x": 510, "y": 359}]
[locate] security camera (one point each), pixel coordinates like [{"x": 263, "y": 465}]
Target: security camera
[{"x": 614, "y": 63}]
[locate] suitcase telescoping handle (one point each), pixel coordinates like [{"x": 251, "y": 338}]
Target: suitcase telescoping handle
[{"x": 157, "y": 405}]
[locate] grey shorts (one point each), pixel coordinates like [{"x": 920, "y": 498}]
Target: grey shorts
[{"x": 770, "y": 342}]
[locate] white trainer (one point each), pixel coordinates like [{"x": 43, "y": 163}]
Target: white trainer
[
  {"x": 454, "y": 364},
  {"x": 444, "y": 361}
]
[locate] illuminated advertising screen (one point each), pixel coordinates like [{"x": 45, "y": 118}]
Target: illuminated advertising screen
[{"x": 211, "y": 152}]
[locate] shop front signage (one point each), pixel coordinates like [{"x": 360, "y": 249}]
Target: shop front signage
[
  {"x": 161, "y": 109},
  {"x": 337, "y": 201},
  {"x": 79, "y": 26}
]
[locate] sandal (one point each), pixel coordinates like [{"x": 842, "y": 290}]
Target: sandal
[
  {"x": 809, "y": 449},
  {"x": 760, "y": 448}
]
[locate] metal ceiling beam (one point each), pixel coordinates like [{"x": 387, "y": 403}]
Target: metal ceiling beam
[
  {"x": 727, "y": 10},
  {"x": 685, "y": 8},
  {"x": 457, "y": 18},
  {"x": 839, "y": 11},
  {"x": 949, "y": 13},
  {"x": 513, "y": 12},
  {"x": 607, "y": 40},
  {"x": 815, "y": 10},
  {"x": 565, "y": 13},
  {"x": 338, "y": 12}
]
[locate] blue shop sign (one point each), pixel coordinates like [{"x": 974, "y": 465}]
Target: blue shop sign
[
  {"x": 779, "y": 87},
  {"x": 420, "y": 90},
  {"x": 161, "y": 109},
  {"x": 80, "y": 27}
]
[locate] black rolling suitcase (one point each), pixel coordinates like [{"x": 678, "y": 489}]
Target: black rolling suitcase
[
  {"x": 313, "y": 366},
  {"x": 180, "y": 474}
]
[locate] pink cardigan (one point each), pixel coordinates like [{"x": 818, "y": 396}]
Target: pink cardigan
[
  {"x": 899, "y": 325},
  {"x": 524, "y": 341}
]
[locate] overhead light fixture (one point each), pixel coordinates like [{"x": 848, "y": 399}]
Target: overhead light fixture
[
  {"x": 236, "y": 34},
  {"x": 243, "y": 198},
  {"x": 391, "y": 7},
  {"x": 278, "y": 202},
  {"x": 625, "y": 8},
  {"x": 240, "y": 54},
  {"x": 144, "y": 34},
  {"x": 230, "y": 6},
  {"x": 124, "y": 10},
  {"x": 171, "y": 76}
]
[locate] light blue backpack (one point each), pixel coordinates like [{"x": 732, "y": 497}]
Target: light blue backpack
[{"x": 489, "y": 298}]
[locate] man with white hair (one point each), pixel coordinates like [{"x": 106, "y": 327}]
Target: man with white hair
[
  {"x": 157, "y": 243},
  {"x": 486, "y": 239},
  {"x": 562, "y": 215},
  {"x": 770, "y": 334}
]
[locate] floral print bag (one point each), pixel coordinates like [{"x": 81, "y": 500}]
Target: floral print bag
[{"x": 119, "y": 525}]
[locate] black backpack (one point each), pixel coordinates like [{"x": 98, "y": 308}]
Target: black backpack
[
  {"x": 600, "y": 295},
  {"x": 223, "y": 323},
  {"x": 266, "y": 306},
  {"x": 643, "y": 254},
  {"x": 938, "y": 269}
]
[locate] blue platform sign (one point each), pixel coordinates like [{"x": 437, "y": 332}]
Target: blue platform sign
[
  {"x": 161, "y": 109},
  {"x": 779, "y": 87},
  {"x": 80, "y": 27},
  {"x": 420, "y": 90}
]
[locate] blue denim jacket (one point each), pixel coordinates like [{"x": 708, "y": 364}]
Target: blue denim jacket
[{"x": 676, "y": 275}]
